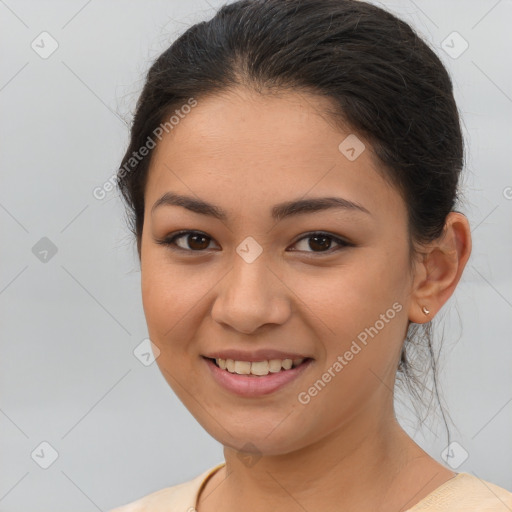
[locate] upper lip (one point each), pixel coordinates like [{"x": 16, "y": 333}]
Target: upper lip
[{"x": 254, "y": 355}]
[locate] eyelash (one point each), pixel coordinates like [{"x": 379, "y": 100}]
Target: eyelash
[{"x": 169, "y": 241}]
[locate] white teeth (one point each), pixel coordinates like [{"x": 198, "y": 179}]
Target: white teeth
[
  {"x": 259, "y": 368},
  {"x": 287, "y": 364},
  {"x": 243, "y": 367},
  {"x": 274, "y": 365}
]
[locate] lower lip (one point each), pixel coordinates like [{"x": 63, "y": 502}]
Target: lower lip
[{"x": 253, "y": 385}]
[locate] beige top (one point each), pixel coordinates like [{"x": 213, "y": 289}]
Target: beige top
[{"x": 462, "y": 493}]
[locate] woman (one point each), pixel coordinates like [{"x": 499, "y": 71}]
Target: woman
[{"x": 291, "y": 179}]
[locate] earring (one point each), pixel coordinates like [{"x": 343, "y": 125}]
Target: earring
[{"x": 425, "y": 310}]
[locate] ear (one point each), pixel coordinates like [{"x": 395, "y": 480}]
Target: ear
[{"x": 438, "y": 272}]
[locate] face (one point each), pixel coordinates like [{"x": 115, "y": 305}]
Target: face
[{"x": 326, "y": 283}]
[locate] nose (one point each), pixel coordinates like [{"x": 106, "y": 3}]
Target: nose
[{"x": 251, "y": 295}]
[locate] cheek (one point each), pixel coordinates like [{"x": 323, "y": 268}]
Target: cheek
[
  {"x": 167, "y": 295},
  {"x": 170, "y": 302},
  {"x": 360, "y": 314},
  {"x": 175, "y": 299},
  {"x": 349, "y": 297}
]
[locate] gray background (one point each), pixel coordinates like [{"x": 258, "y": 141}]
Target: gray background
[{"x": 69, "y": 325}]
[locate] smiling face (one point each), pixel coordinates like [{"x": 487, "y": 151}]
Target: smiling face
[{"x": 258, "y": 277}]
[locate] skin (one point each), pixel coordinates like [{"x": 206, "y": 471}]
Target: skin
[{"x": 246, "y": 152}]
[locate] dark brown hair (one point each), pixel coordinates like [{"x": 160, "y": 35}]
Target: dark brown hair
[{"x": 381, "y": 78}]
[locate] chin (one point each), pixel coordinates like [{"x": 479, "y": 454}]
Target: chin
[{"x": 264, "y": 435}]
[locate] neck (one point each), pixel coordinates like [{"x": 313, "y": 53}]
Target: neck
[{"x": 367, "y": 461}]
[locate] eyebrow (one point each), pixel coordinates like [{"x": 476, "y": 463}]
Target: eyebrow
[{"x": 279, "y": 211}]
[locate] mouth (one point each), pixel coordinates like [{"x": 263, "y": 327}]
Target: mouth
[
  {"x": 257, "y": 368},
  {"x": 251, "y": 379}
]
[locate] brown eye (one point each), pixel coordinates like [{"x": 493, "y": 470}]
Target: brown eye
[
  {"x": 197, "y": 242},
  {"x": 321, "y": 242},
  {"x": 191, "y": 241}
]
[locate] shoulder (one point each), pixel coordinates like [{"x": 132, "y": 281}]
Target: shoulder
[
  {"x": 160, "y": 500},
  {"x": 181, "y": 497},
  {"x": 466, "y": 492}
]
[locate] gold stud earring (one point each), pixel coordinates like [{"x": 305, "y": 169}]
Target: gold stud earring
[{"x": 425, "y": 310}]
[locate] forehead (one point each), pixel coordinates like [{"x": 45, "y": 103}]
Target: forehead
[
  {"x": 274, "y": 123},
  {"x": 249, "y": 148}
]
